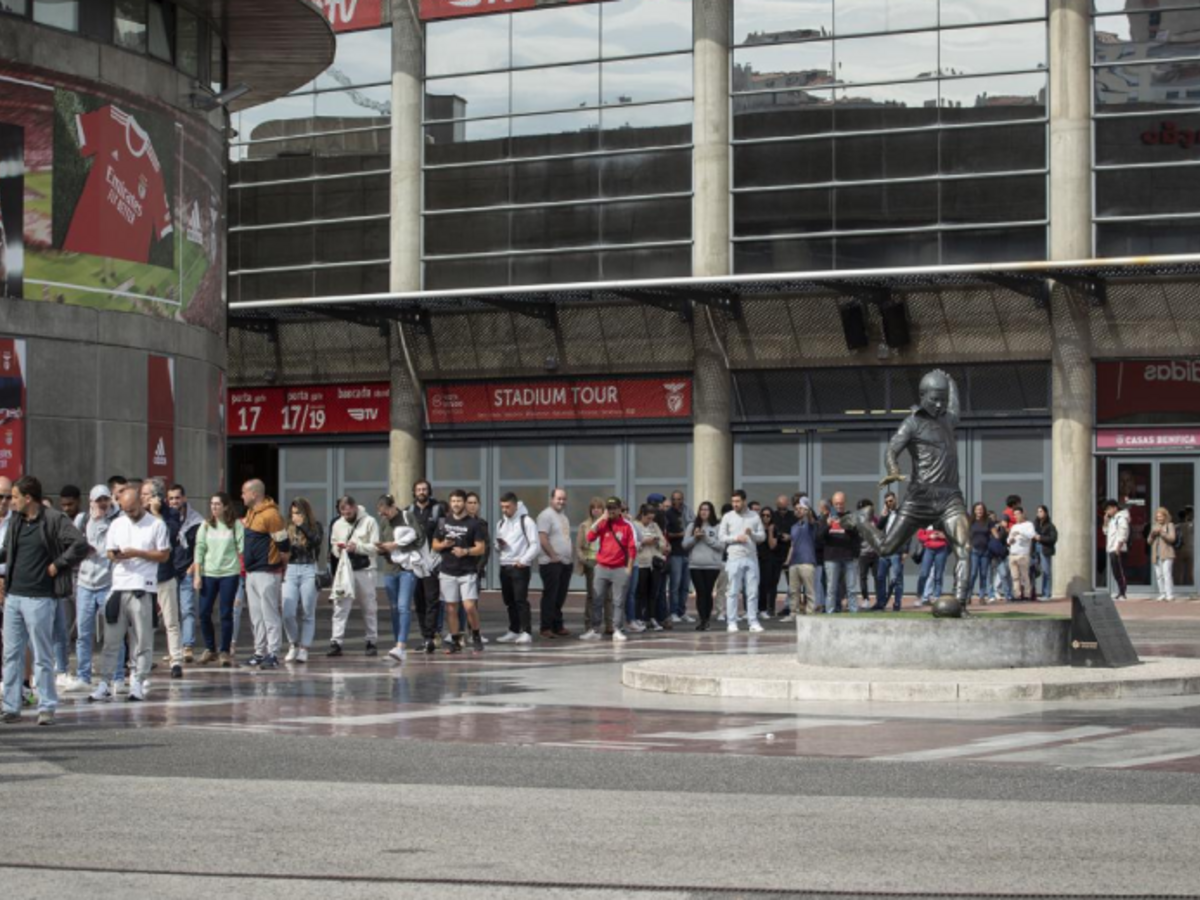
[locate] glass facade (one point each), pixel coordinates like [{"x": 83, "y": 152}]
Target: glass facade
[
  {"x": 309, "y": 181},
  {"x": 1146, "y": 79},
  {"x": 874, "y": 133},
  {"x": 558, "y": 145}
]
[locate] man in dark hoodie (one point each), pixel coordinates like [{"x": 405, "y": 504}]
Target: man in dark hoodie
[{"x": 183, "y": 555}]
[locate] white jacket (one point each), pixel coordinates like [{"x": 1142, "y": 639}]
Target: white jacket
[
  {"x": 421, "y": 561},
  {"x": 733, "y": 525},
  {"x": 1116, "y": 532},
  {"x": 516, "y": 539},
  {"x": 364, "y": 533}
]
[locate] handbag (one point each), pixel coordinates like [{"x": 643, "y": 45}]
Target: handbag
[
  {"x": 324, "y": 579},
  {"x": 919, "y": 553}
]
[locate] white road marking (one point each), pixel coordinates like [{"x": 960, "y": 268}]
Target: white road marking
[
  {"x": 750, "y": 732},
  {"x": 1135, "y": 748},
  {"x": 1001, "y": 744},
  {"x": 387, "y": 718}
]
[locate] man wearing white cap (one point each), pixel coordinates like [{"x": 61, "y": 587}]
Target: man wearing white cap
[{"x": 93, "y": 583}]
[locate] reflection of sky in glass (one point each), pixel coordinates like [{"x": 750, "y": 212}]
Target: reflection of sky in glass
[
  {"x": 887, "y": 58},
  {"x": 647, "y": 80},
  {"x": 863, "y": 16},
  {"x": 565, "y": 87},
  {"x": 633, "y": 27},
  {"x": 471, "y": 44},
  {"x": 365, "y": 103},
  {"x": 970, "y": 12},
  {"x": 999, "y": 48},
  {"x": 756, "y": 20},
  {"x": 646, "y": 116},
  {"x": 563, "y": 34},
  {"x": 557, "y": 123},
  {"x": 363, "y": 57},
  {"x": 484, "y": 95},
  {"x": 294, "y": 107},
  {"x": 797, "y": 65}
]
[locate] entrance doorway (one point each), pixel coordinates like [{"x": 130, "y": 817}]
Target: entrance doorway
[{"x": 1142, "y": 486}]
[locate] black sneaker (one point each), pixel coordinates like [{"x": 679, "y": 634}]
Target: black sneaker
[
  {"x": 429, "y": 647},
  {"x": 453, "y": 646},
  {"x": 334, "y": 650},
  {"x": 176, "y": 671},
  {"x": 255, "y": 660},
  {"x": 271, "y": 662},
  {"x": 477, "y": 642},
  {"x": 371, "y": 651}
]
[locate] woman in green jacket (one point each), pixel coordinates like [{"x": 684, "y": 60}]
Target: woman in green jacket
[{"x": 220, "y": 543}]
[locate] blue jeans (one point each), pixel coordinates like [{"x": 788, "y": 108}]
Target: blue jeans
[
  {"x": 742, "y": 574},
  {"x": 981, "y": 569},
  {"x": 300, "y": 595},
  {"x": 62, "y": 635},
  {"x": 29, "y": 621},
  {"x": 631, "y": 596},
  {"x": 400, "y": 588},
  {"x": 226, "y": 590},
  {"x": 891, "y": 581},
  {"x": 239, "y": 606},
  {"x": 679, "y": 583},
  {"x": 187, "y": 612},
  {"x": 88, "y": 605},
  {"x": 1045, "y": 562},
  {"x": 1002, "y": 580},
  {"x": 841, "y": 576},
  {"x": 933, "y": 567}
]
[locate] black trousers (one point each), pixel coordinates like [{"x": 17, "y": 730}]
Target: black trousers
[
  {"x": 556, "y": 581},
  {"x": 1118, "y": 570},
  {"x": 427, "y": 599},
  {"x": 704, "y": 581},
  {"x": 768, "y": 583},
  {"x": 649, "y": 580},
  {"x": 514, "y": 588}
]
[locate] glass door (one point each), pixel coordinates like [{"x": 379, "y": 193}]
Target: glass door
[{"x": 1141, "y": 486}]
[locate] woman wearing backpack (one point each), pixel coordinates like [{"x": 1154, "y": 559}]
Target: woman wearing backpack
[{"x": 1162, "y": 553}]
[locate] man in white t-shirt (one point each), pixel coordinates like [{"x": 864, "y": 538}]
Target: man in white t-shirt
[
  {"x": 137, "y": 543},
  {"x": 1020, "y": 552}
]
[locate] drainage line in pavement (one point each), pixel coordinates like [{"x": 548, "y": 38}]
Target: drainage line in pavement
[{"x": 810, "y": 894}]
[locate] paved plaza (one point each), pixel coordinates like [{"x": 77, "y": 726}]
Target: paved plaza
[{"x": 532, "y": 772}]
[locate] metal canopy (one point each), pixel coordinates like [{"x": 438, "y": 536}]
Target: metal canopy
[{"x": 1089, "y": 278}]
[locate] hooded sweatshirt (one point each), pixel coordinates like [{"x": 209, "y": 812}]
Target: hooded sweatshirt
[
  {"x": 266, "y": 538},
  {"x": 1116, "y": 532},
  {"x": 733, "y": 524},
  {"x": 517, "y": 538}
]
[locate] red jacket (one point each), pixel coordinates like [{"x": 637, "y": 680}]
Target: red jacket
[
  {"x": 932, "y": 538},
  {"x": 618, "y": 544}
]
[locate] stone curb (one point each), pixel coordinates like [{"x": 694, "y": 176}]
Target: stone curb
[{"x": 652, "y": 676}]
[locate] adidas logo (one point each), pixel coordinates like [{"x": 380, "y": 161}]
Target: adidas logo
[{"x": 160, "y": 453}]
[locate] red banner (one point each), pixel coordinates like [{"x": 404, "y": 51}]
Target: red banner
[
  {"x": 448, "y": 9},
  {"x": 1148, "y": 392},
  {"x": 582, "y": 399},
  {"x": 12, "y": 408},
  {"x": 319, "y": 409},
  {"x": 160, "y": 417},
  {"x": 353, "y": 15},
  {"x": 1148, "y": 440}
]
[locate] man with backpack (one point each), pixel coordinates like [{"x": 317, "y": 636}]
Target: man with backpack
[{"x": 518, "y": 545}]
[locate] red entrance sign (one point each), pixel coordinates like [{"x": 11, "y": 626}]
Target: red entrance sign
[
  {"x": 1149, "y": 440},
  {"x": 584, "y": 399},
  {"x": 1148, "y": 392},
  {"x": 447, "y": 9},
  {"x": 320, "y": 409},
  {"x": 353, "y": 15}
]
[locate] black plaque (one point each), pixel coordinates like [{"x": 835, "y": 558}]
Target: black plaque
[{"x": 1098, "y": 636}]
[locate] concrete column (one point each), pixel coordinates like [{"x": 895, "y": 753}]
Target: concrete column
[
  {"x": 712, "y": 440},
  {"x": 1071, "y": 238},
  {"x": 406, "y": 453}
]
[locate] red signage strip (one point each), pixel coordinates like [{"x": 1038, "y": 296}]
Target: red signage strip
[
  {"x": 160, "y": 417},
  {"x": 448, "y": 9},
  {"x": 583, "y": 399},
  {"x": 320, "y": 409},
  {"x": 1148, "y": 440},
  {"x": 353, "y": 15},
  {"x": 1148, "y": 392},
  {"x": 12, "y": 408}
]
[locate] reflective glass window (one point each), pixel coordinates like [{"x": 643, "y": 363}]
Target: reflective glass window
[
  {"x": 644, "y": 221},
  {"x": 1164, "y": 34},
  {"x": 556, "y": 180},
  {"x": 458, "y": 142},
  {"x": 363, "y": 57},
  {"x": 978, "y": 12},
  {"x": 161, "y": 29},
  {"x": 782, "y": 212},
  {"x": 627, "y": 127},
  {"x": 563, "y": 87},
  {"x": 468, "y": 187},
  {"x": 469, "y": 44},
  {"x": 1149, "y": 238},
  {"x": 459, "y": 273},
  {"x": 1147, "y": 87},
  {"x": 886, "y": 206},
  {"x": 1147, "y": 192},
  {"x": 994, "y": 98},
  {"x": 551, "y": 227},
  {"x": 187, "y": 41},
  {"x": 888, "y": 57},
  {"x": 467, "y": 233},
  {"x": 785, "y": 162},
  {"x": 884, "y": 156},
  {"x": 555, "y": 268},
  {"x": 16, "y": 7},
  {"x": 870, "y": 16},
  {"x": 559, "y": 35},
  {"x": 285, "y": 116},
  {"x": 338, "y": 198},
  {"x": 995, "y": 48},
  {"x": 634, "y": 174},
  {"x": 466, "y": 96},
  {"x": 129, "y": 24},
  {"x": 782, "y": 66},
  {"x": 363, "y": 107},
  {"x": 873, "y": 107},
  {"x": 1012, "y": 147},
  {"x": 887, "y": 250},
  {"x": 1008, "y": 199},
  {"x": 1170, "y": 138},
  {"x": 753, "y": 257},
  {"x": 649, "y": 262},
  {"x": 999, "y": 245},
  {"x": 647, "y": 80},
  {"x": 782, "y": 114},
  {"x": 556, "y": 134},
  {"x": 350, "y": 241},
  {"x": 641, "y": 27},
  {"x": 771, "y": 21},
  {"x": 62, "y": 14}
]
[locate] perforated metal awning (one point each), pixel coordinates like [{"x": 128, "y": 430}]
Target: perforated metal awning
[{"x": 727, "y": 294}]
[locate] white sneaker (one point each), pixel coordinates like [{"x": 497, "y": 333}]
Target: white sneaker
[
  {"x": 525, "y": 638},
  {"x": 654, "y": 626},
  {"x": 302, "y": 654},
  {"x": 786, "y": 618},
  {"x": 74, "y": 685},
  {"x": 397, "y": 653},
  {"x": 690, "y": 619},
  {"x": 732, "y": 628},
  {"x": 137, "y": 690},
  {"x": 118, "y": 686},
  {"x": 619, "y": 636},
  {"x": 60, "y": 681},
  {"x": 508, "y": 637},
  {"x": 756, "y": 627},
  {"x": 676, "y": 619},
  {"x": 589, "y": 635},
  {"x": 765, "y": 614},
  {"x": 721, "y": 617},
  {"x": 483, "y": 637},
  {"x": 636, "y": 627},
  {"x": 100, "y": 694},
  {"x": 292, "y": 653}
]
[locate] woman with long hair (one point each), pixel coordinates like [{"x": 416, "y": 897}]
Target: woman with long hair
[
  {"x": 220, "y": 543},
  {"x": 704, "y": 550},
  {"x": 1162, "y": 553},
  {"x": 300, "y": 580},
  {"x": 981, "y": 560},
  {"x": 769, "y": 565},
  {"x": 1047, "y": 537}
]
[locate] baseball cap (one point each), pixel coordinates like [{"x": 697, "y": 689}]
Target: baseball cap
[
  {"x": 656, "y": 498},
  {"x": 100, "y": 490},
  {"x": 613, "y": 502}
]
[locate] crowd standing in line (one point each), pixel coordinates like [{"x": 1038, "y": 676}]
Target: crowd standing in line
[{"x": 139, "y": 557}]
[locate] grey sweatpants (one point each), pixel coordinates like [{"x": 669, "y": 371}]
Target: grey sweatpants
[
  {"x": 608, "y": 599},
  {"x": 264, "y": 600},
  {"x": 136, "y": 617}
]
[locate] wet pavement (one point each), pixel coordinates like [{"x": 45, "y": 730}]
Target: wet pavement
[{"x": 566, "y": 693}]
